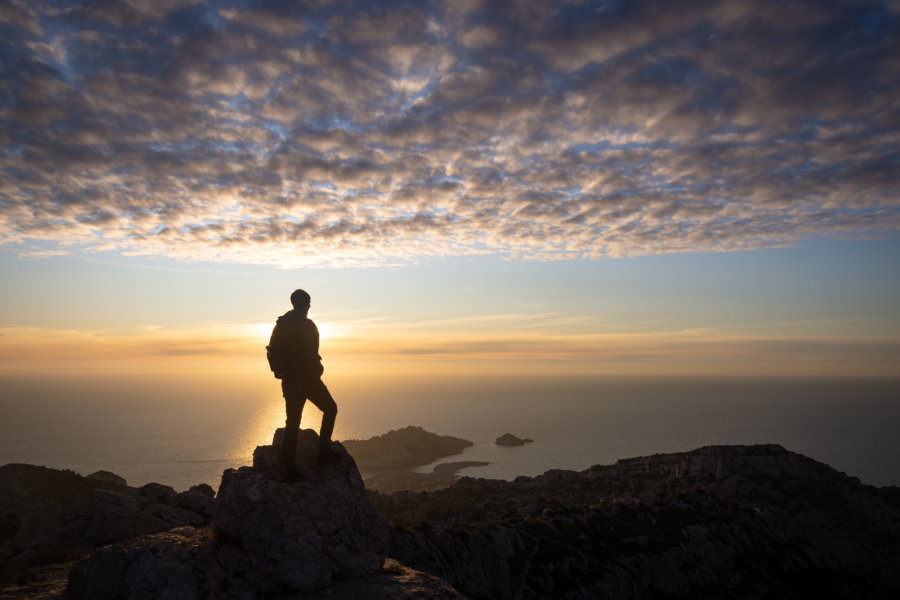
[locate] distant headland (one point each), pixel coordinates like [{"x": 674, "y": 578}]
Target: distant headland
[{"x": 386, "y": 461}]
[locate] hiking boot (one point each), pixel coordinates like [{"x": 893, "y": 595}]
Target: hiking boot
[{"x": 328, "y": 457}]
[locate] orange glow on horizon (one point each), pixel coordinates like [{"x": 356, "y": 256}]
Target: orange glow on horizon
[{"x": 384, "y": 349}]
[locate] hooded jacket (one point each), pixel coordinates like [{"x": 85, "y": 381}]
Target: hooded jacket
[{"x": 293, "y": 349}]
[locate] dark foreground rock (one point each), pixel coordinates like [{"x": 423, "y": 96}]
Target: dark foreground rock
[
  {"x": 186, "y": 564},
  {"x": 747, "y": 522},
  {"x": 56, "y": 516},
  {"x": 299, "y": 536},
  {"x": 270, "y": 537},
  {"x": 718, "y": 522}
]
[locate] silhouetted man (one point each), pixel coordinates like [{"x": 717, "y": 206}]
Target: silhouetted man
[{"x": 293, "y": 352}]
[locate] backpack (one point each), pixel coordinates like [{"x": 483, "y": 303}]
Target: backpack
[
  {"x": 276, "y": 352},
  {"x": 275, "y": 356}
]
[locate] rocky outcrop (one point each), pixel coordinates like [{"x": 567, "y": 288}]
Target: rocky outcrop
[
  {"x": 270, "y": 536},
  {"x": 40, "y": 497},
  {"x": 60, "y": 516},
  {"x": 299, "y": 535},
  {"x": 508, "y": 439},
  {"x": 185, "y": 563},
  {"x": 718, "y": 522},
  {"x": 179, "y": 563}
]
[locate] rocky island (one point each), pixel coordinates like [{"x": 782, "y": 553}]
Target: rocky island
[
  {"x": 715, "y": 522},
  {"x": 508, "y": 439},
  {"x": 386, "y": 461}
]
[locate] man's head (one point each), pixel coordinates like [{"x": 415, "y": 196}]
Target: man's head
[{"x": 300, "y": 299}]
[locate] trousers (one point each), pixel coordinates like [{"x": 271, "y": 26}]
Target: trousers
[{"x": 296, "y": 393}]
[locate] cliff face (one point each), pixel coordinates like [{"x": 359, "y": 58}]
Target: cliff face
[{"x": 718, "y": 522}]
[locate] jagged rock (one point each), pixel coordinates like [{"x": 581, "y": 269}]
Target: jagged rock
[
  {"x": 200, "y": 499},
  {"x": 508, "y": 439},
  {"x": 162, "y": 565},
  {"x": 718, "y": 522},
  {"x": 185, "y": 563},
  {"x": 41, "y": 497},
  {"x": 270, "y": 537},
  {"x": 63, "y": 516},
  {"x": 403, "y": 448},
  {"x": 299, "y": 536}
]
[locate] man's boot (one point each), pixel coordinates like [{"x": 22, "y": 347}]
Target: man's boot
[
  {"x": 327, "y": 456},
  {"x": 289, "y": 460}
]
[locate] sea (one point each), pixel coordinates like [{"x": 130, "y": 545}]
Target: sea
[{"x": 182, "y": 430}]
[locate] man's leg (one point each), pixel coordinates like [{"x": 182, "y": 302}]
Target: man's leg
[
  {"x": 319, "y": 395},
  {"x": 293, "y": 406}
]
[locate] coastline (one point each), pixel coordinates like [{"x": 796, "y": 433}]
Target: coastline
[{"x": 672, "y": 510}]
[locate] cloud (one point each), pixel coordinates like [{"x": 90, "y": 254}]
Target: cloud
[{"x": 355, "y": 134}]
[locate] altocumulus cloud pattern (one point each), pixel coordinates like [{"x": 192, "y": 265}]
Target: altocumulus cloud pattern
[{"x": 350, "y": 133}]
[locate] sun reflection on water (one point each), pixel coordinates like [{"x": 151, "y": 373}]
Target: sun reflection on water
[{"x": 268, "y": 418}]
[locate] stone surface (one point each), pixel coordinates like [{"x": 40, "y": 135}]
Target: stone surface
[
  {"x": 185, "y": 564},
  {"x": 271, "y": 537},
  {"x": 717, "y": 522},
  {"x": 162, "y": 565},
  {"x": 42, "y": 583},
  {"x": 62, "y": 516},
  {"x": 299, "y": 536}
]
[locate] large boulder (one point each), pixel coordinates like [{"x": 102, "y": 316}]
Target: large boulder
[
  {"x": 184, "y": 563},
  {"x": 299, "y": 535},
  {"x": 271, "y": 537},
  {"x": 179, "y": 563},
  {"x": 50, "y": 516}
]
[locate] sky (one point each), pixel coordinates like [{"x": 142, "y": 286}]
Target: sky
[{"x": 598, "y": 187}]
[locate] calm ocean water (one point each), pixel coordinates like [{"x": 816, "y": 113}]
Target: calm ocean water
[{"x": 183, "y": 430}]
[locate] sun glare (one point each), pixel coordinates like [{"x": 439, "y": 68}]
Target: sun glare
[
  {"x": 326, "y": 330},
  {"x": 262, "y": 330}
]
